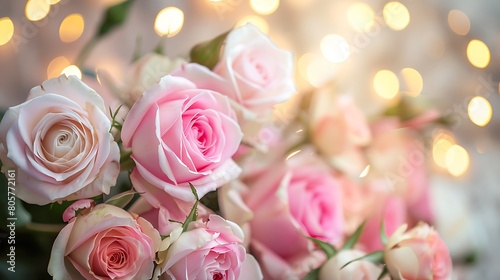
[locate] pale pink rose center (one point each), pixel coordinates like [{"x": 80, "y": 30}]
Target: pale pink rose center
[
  {"x": 63, "y": 145},
  {"x": 250, "y": 67}
]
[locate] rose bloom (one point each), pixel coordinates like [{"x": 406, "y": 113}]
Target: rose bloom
[
  {"x": 59, "y": 141},
  {"x": 209, "y": 249},
  {"x": 181, "y": 134},
  {"x": 260, "y": 72},
  {"x": 252, "y": 71},
  {"x": 105, "y": 242},
  {"x": 417, "y": 254},
  {"x": 364, "y": 270},
  {"x": 296, "y": 198}
]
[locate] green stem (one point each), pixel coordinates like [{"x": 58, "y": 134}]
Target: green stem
[{"x": 126, "y": 162}]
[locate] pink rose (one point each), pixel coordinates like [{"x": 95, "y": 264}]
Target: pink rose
[
  {"x": 252, "y": 71},
  {"x": 365, "y": 270},
  {"x": 59, "y": 141},
  {"x": 181, "y": 134},
  {"x": 209, "y": 249},
  {"x": 298, "y": 198},
  {"x": 260, "y": 72},
  {"x": 418, "y": 254},
  {"x": 105, "y": 242}
]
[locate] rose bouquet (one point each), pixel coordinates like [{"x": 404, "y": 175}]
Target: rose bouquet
[{"x": 200, "y": 173}]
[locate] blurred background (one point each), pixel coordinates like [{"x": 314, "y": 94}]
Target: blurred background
[{"x": 376, "y": 50}]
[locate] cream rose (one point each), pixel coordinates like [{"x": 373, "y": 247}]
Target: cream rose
[{"x": 59, "y": 141}]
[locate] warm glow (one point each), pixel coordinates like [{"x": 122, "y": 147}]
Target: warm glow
[
  {"x": 360, "y": 16},
  {"x": 386, "y": 84},
  {"x": 259, "y": 22},
  {"x": 37, "y": 9},
  {"x": 396, "y": 15},
  {"x": 72, "y": 70},
  {"x": 56, "y": 66},
  {"x": 413, "y": 81},
  {"x": 303, "y": 63},
  {"x": 6, "y": 30},
  {"x": 169, "y": 21},
  {"x": 71, "y": 28},
  {"x": 53, "y": 2},
  {"x": 459, "y": 22},
  {"x": 365, "y": 172},
  {"x": 480, "y": 111},
  {"x": 457, "y": 160},
  {"x": 264, "y": 7},
  {"x": 319, "y": 71},
  {"x": 335, "y": 48},
  {"x": 292, "y": 154},
  {"x": 478, "y": 53},
  {"x": 442, "y": 143}
]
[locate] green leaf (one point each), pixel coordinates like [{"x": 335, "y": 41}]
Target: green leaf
[
  {"x": 113, "y": 17},
  {"x": 207, "y": 53},
  {"x": 374, "y": 257},
  {"x": 327, "y": 248},
  {"x": 383, "y": 235},
  {"x": 312, "y": 275},
  {"x": 193, "y": 214},
  {"x": 122, "y": 199},
  {"x": 211, "y": 201},
  {"x": 383, "y": 273},
  {"x": 353, "y": 239}
]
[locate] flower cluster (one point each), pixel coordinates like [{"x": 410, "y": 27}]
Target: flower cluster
[{"x": 223, "y": 182}]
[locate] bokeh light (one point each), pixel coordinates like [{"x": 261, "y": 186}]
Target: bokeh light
[
  {"x": 413, "y": 81},
  {"x": 459, "y": 22},
  {"x": 396, "y": 15},
  {"x": 6, "y": 30},
  {"x": 457, "y": 160},
  {"x": 386, "y": 84},
  {"x": 259, "y": 22},
  {"x": 37, "y": 9},
  {"x": 335, "y": 48},
  {"x": 72, "y": 70},
  {"x": 71, "y": 28},
  {"x": 264, "y": 7},
  {"x": 360, "y": 16},
  {"x": 479, "y": 110},
  {"x": 169, "y": 21},
  {"x": 56, "y": 66},
  {"x": 442, "y": 143},
  {"x": 478, "y": 53},
  {"x": 319, "y": 71},
  {"x": 53, "y": 2}
]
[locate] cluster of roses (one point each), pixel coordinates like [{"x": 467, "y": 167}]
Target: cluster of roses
[{"x": 283, "y": 193}]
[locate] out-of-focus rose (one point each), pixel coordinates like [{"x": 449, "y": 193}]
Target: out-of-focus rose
[
  {"x": 391, "y": 210},
  {"x": 209, "y": 249},
  {"x": 105, "y": 242},
  {"x": 261, "y": 73},
  {"x": 339, "y": 129},
  {"x": 365, "y": 270},
  {"x": 297, "y": 198},
  {"x": 59, "y": 141},
  {"x": 147, "y": 71},
  {"x": 398, "y": 155},
  {"x": 180, "y": 134},
  {"x": 419, "y": 253}
]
